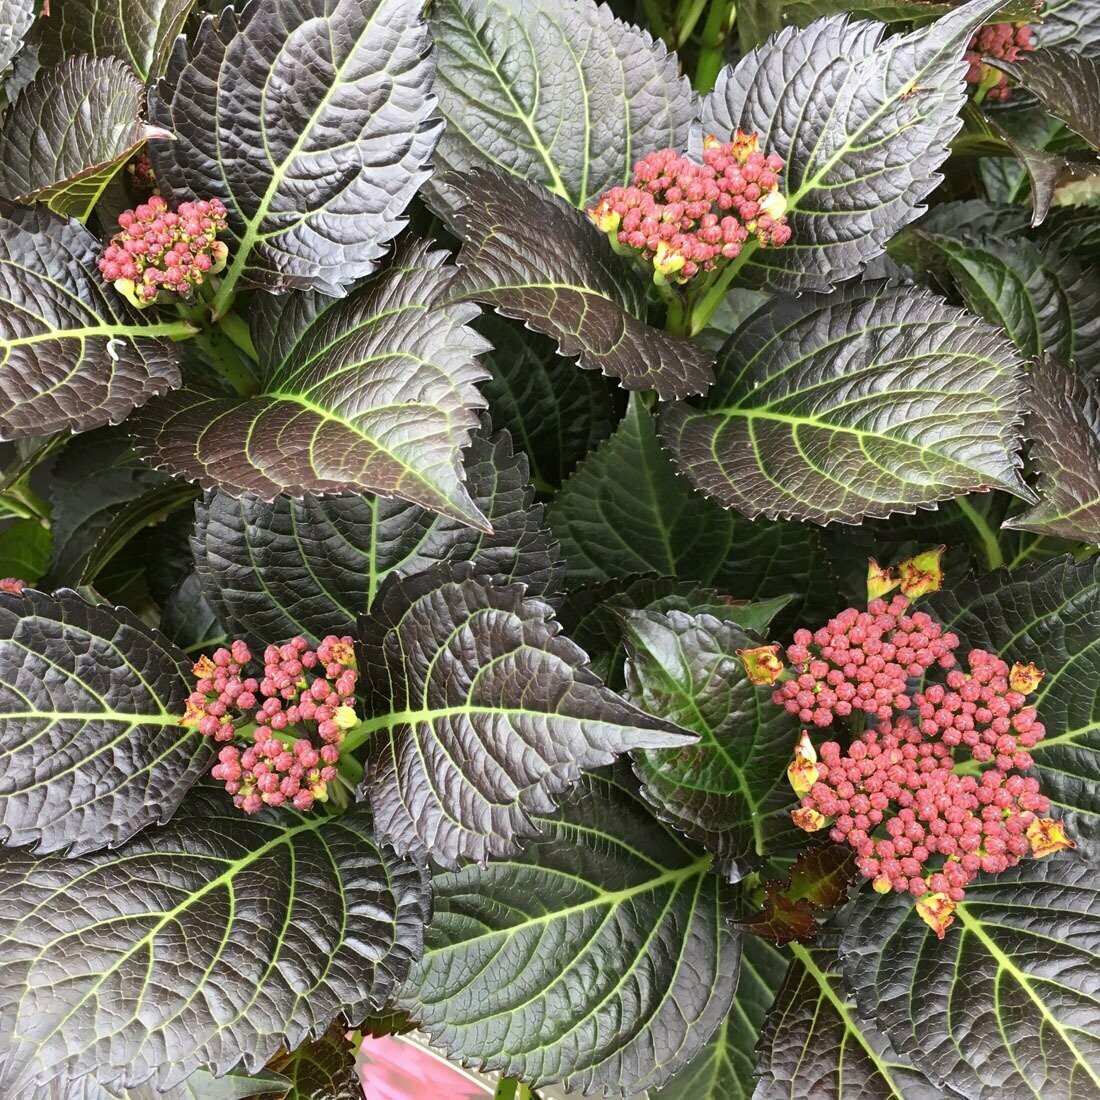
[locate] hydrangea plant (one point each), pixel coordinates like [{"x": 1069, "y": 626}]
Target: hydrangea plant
[{"x": 567, "y": 527}]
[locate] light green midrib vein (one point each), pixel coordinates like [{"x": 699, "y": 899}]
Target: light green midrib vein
[
  {"x": 851, "y": 1025},
  {"x": 145, "y": 942},
  {"x": 1005, "y": 964},
  {"x": 279, "y": 171},
  {"x": 675, "y": 877},
  {"x": 106, "y": 332}
]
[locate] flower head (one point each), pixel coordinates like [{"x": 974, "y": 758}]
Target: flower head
[
  {"x": 1005, "y": 41},
  {"x": 297, "y": 714},
  {"x": 681, "y": 217},
  {"x": 161, "y": 252}
]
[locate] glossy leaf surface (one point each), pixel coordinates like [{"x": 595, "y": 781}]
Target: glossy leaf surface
[
  {"x": 376, "y": 395},
  {"x": 625, "y": 511},
  {"x": 564, "y": 95},
  {"x": 141, "y": 34},
  {"x": 863, "y": 124},
  {"x": 1019, "y": 1011},
  {"x": 91, "y": 749},
  {"x": 73, "y": 354},
  {"x": 814, "y": 1043},
  {"x": 832, "y": 408},
  {"x": 486, "y": 714},
  {"x": 271, "y": 571},
  {"x": 69, "y": 133},
  {"x": 134, "y": 973},
  {"x": 552, "y": 269},
  {"x": 311, "y": 120},
  {"x": 729, "y": 792},
  {"x": 607, "y": 917}
]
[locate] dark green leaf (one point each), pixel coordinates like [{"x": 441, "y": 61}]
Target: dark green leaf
[
  {"x": 16, "y": 18},
  {"x": 189, "y": 620},
  {"x": 1067, "y": 84},
  {"x": 91, "y": 749},
  {"x": 723, "y": 1069},
  {"x": 1045, "y": 301},
  {"x": 1048, "y": 613},
  {"x": 323, "y": 1069},
  {"x": 814, "y": 1045},
  {"x": 1064, "y": 427},
  {"x": 531, "y": 256},
  {"x": 133, "y": 974},
  {"x": 729, "y": 792},
  {"x": 271, "y": 571},
  {"x": 555, "y": 413},
  {"x": 1016, "y": 977},
  {"x": 378, "y": 395},
  {"x": 863, "y": 125},
  {"x": 600, "y": 957},
  {"x": 626, "y": 511},
  {"x": 134, "y": 520},
  {"x": 470, "y": 740},
  {"x": 69, "y": 133},
  {"x": 971, "y": 528},
  {"x": 139, "y": 33},
  {"x": 564, "y": 95},
  {"x": 73, "y": 354},
  {"x": 1072, "y": 23},
  {"x": 91, "y": 481},
  {"x": 24, "y": 550},
  {"x": 831, "y": 408},
  {"x": 592, "y": 614},
  {"x": 310, "y": 120}
]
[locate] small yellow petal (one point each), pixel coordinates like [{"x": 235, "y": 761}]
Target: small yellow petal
[
  {"x": 1024, "y": 678},
  {"x": 937, "y": 911},
  {"x": 762, "y": 664},
  {"x": 922, "y": 574},
  {"x": 809, "y": 820},
  {"x": 1047, "y": 836},
  {"x": 803, "y": 771}
]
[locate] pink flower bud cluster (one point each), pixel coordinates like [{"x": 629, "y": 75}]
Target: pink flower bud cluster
[
  {"x": 862, "y": 660},
  {"x": 684, "y": 217},
  {"x": 12, "y": 584},
  {"x": 975, "y": 823},
  {"x": 160, "y": 250},
  {"x": 982, "y": 712},
  {"x": 1005, "y": 41},
  {"x": 295, "y": 716}
]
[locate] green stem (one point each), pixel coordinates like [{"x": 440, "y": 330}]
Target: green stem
[
  {"x": 236, "y": 329},
  {"x": 22, "y": 502},
  {"x": 712, "y": 54},
  {"x": 991, "y": 545},
  {"x": 687, "y": 15},
  {"x": 229, "y": 365},
  {"x": 510, "y": 1089},
  {"x": 702, "y": 312},
  {"x": 359, "y": 735}
]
